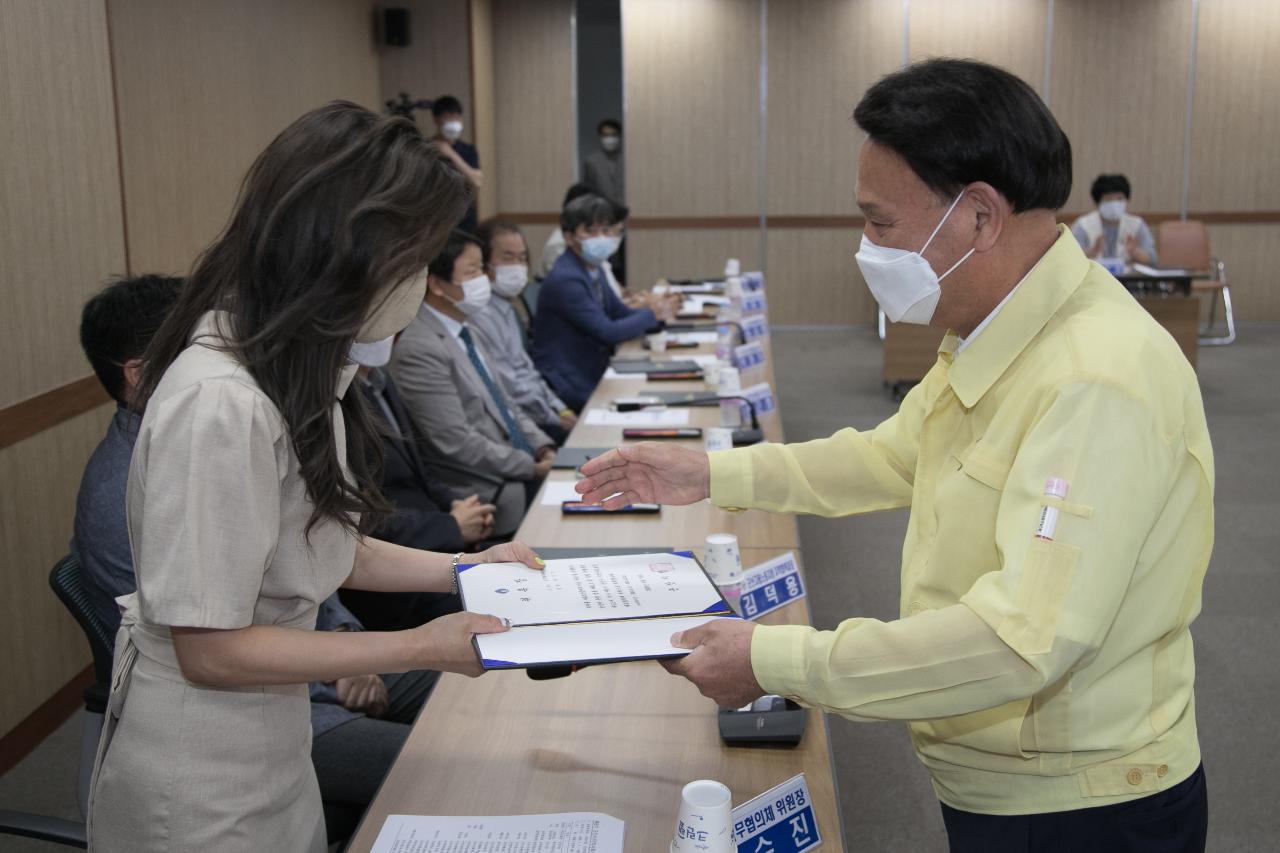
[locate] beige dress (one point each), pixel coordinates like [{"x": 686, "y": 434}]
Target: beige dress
[{"x": 217, "y": 512}]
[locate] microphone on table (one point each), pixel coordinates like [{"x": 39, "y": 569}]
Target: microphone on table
[{"x": 742, "y": 436}]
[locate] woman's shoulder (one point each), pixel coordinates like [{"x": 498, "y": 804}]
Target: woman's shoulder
[{"x": 206, "y": 383}]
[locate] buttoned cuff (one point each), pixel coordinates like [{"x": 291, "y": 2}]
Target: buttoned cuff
[
  {"x": 778, "y": 659},
  {"x": 731, "y": 478}
]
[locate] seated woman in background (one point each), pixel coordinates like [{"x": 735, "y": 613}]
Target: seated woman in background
[
  {"x": 1110, "y": 231},
  {"x": 580, "y": 320},
  {"x": 248, "y": 482}
]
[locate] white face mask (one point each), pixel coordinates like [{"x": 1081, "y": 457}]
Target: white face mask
[
  {"x": 396, "y": 311},
  {"x": 1113, "y": 209},
  {"x": 451, "y": 130},
  {"x": 903, "y": 282},
  {"x": 375, "y": 354},
  {"x": 510, "y": 279},
  {"x": 476, "y": 293},
  {"x": 611, "y": 143}
]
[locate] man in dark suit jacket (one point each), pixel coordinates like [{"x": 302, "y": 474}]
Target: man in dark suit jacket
[
  {"x": 427, "y": 515},
  {"x": 580, "y": 320}
]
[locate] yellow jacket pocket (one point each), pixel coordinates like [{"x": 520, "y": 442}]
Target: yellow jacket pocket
[{"x": 1031, "y": 626}]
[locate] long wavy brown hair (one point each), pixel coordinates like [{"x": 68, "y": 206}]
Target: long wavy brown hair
[{"x": 340, "y": 207}]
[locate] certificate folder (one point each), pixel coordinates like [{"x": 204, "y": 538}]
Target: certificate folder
[{"x": 589, "y": 610}]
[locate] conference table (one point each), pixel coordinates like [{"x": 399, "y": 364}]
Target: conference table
[{"x": 621, "y": 739}]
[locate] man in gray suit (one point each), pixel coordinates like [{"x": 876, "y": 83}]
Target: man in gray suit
[{"x": 477, "y": 440}]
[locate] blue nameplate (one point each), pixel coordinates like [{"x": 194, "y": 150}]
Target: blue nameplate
[{"x": 780, "y": 820}]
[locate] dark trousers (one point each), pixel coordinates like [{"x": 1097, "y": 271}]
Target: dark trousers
[
  {"x": 352, "y": 759},
  {"x": 1172, "y": 821}
]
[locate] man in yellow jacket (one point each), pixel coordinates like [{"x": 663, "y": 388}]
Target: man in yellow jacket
[{"x": 1059, "y": 474}]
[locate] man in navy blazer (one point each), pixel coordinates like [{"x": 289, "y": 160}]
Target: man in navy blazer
[{"x": 580, "y": 320}]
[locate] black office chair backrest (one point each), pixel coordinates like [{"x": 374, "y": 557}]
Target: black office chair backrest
[
  {"x": 529, "y": 296},
  {"x": 67, "y": 580}
]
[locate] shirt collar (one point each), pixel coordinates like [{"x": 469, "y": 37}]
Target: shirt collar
[
  {"x": 963, "y": 343},
  {"x": 451, "y": 325},
  {"x": 1013, "y": 326}
]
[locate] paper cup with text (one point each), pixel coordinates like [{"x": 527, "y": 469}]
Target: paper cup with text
[
  {"x": 658, "y": 342},
  {"x": 705, "y": 824},
  {"x": 717, "y": 438},
  {"x": 724, "y": 564}
]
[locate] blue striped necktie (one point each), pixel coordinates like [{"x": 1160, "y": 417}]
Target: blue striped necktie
[{"x": 513, "y": 428}]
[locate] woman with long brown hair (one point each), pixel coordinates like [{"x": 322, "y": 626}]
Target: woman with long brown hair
[{"x": 250, "y": 484}]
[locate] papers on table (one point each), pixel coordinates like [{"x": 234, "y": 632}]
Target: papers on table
[
  {"x": 590, "y": 609},
  {"x": 1143, "y": 269},
  {"x": 556, "y": 492},
  {"x": 576, "y": 832},
  {"x": 613, "y": 374},
  {"x": 693, "y": 337},
  {"x": 644, "y": 418}
]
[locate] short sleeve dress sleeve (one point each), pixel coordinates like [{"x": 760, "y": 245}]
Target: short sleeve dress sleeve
[{"x": 204, "y": 504}]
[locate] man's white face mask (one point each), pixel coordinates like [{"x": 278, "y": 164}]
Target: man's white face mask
[{"x": 903, "y": 282}]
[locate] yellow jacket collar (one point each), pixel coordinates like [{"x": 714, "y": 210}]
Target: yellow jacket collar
[{"x": 1049, "y": 284}]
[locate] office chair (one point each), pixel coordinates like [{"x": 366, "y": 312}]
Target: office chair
[
  {"x": 1186, "y": 245},
  {"x": 529, "y": 296},
  {"x": 68, "y": 584}
]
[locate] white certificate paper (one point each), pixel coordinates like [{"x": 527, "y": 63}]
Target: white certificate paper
[
  {"x": 590, "y": 589},
  {"x": 576, "y": 832},
  {"x": 590, "y": 609}
]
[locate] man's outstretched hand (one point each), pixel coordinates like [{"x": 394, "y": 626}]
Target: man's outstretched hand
[{"x": 649, "y": 472}]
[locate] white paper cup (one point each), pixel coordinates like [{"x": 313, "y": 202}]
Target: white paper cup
[
  {"x": 724, "y": 560},
  {"x": 711, "y": 373},
  {"x": 658, "y": 342},
  {"x": 705, "y": 824},
  {"x": 717, "y": 438},
  {"x": 729, "y": 382}
]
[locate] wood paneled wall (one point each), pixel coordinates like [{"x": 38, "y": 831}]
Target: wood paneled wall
[
  {"x": 1096, "y": 107},
  {"x": 691, "y": 76},
  {"x": 61, "y": 234},
  {"x": 100, "y": 179},
  {"x": 61, "y": 230},
  {"x": 816, "y": 75},
  {"x": 203, "y": 87},
  {"x": 1117, "y": 81},
  {"x": 1009, "y": 33},
  {"x": 484, "y": 116},
  {"x": 1235, "y": 164},
  {"x": 437, "y": 60},
  {"x": 448, "y": 54},
  {"x": 533, "y": 103}
]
